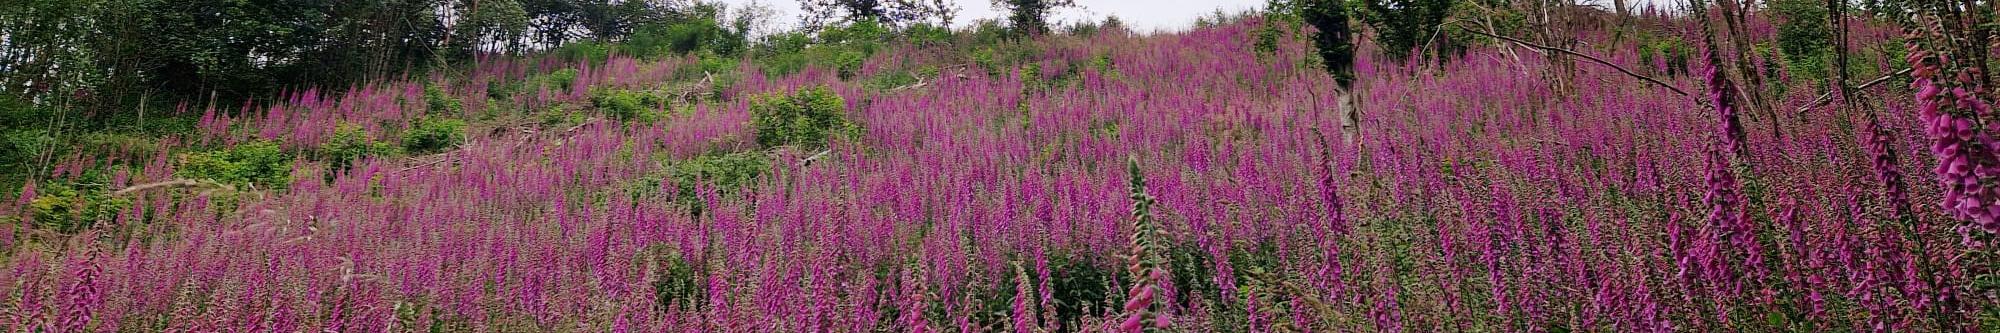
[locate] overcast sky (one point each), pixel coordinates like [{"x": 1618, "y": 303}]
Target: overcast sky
[{"x": 1141, "y": 15}]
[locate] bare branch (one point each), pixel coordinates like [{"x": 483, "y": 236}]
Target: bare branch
[
  {"x": 148, "y": 186},
  {"x": 1621, "y": 69},
  {"x": 1828, "y": 96}
]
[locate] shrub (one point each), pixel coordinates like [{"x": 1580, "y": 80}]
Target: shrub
[
  {"x": 627, "y": 105},
  {"x": 65, "y": 208},
  {"x": 678, "y": 284},
  {"x": 431, "y": 135},
  {"x": 683, "y": 37},
  {"x": 262, "y": 164},
  {"x": 848, "y": 63},
  {"x": 723, "y": 172},
  {"x": 925, "y": 34},
  {"x": 348, "y": 144},
  {"x": 806, "y": 118},
  {"x": 1804, "y": 36},
  {"x": 891, "y": 80},
  {"x": 1081, "y": 288},
  {"x": 562, "y": 79},
  {"x": 590, "y": 51},
  {"x": 24, "y": 133},
  {"x": 437, "y": 101}
]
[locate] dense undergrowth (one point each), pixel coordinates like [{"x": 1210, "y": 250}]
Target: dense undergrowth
[{"x": 970, "y": 182}]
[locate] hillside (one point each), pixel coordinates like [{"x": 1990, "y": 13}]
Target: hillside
[{"x": 1090, "y": 180}]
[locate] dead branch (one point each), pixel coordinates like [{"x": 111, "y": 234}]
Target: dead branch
[
  {"x": 1621, "y": 69},
  {"x": 586, "y": 122},
  {"x": 1828, "y": 96},
  {"x": 148, "y": 186},
  {"x": 920, "y": 84},
  {"x": 809, "y": 159}
]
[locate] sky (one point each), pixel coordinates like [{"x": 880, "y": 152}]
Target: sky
[{"x": 1140, "y": 15}]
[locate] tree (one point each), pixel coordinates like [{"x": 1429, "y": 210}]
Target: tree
[
  {"x": 820, "y": 13},
  {"x": 491, "y": 25},
  {"x": 1031, "y": 17},
  {"x": 1404, "y": 26},
  {"x": 1335, "y": 42}
]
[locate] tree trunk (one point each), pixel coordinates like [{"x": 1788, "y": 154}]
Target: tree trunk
[
  {"x": 1347, "y": 105},
  {"x": 1750, "y": 84}
]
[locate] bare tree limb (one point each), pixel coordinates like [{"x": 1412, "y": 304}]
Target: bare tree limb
[
  {"x": 1621, "y": 69},
  {"x": 148, "y": 186},
  {"x": 1828, "y": 97}
]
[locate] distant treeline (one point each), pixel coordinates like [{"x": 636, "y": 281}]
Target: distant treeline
[{"x": 102, "y": 53}]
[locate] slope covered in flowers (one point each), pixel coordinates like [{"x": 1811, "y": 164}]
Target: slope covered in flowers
[{"x": 999, "y": 198}]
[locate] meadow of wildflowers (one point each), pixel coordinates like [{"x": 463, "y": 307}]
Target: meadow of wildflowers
[{"x": 1109, "y": 182}]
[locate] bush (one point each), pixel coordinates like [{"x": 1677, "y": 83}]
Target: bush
[
  {"x": 23, "y": 133},
  {"x": 584, "y": 51},
  {"x": 848, "y": 63},
  {"x": 437, "y": 101},
  {"x": 925, "y": 34},
  {"x": 348, "y": 144},
  {"x": 562, "y": 79},
  {"x": 806, "y": 118},
  {"x": 683, "y": 37},
  {"x": 627, "y": 105},
  {"x": 262, "y": 164},
  {"x": 65, "y": 208},
  {"x": 678, "y": 284},
  {"x": 1804, "y": 36},
  {"x": 723, "y": 172},
  {"x": 431, "y": 135}
]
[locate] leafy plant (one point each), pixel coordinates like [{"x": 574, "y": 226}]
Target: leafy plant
[
  {"x": 349, "y": 144},
  {"x": 724, "y": 173},
  {"x": 628, "y": 105},
  {"x": 808, "y": 117},
  {"x": 439, "y": 102},
  {"x": 1804, "y": 36},
  {"x": 431, "y": 135},
  {"x": 68, "y": 207},
  {"x": 563, "y": 79},
  {"x": 262, "y": 164}
]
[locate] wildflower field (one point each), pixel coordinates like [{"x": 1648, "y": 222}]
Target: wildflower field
[{"x": 1191, "y": 181}]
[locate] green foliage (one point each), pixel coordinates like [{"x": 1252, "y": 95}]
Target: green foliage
[
  {"x": 487, "y": 24},
  {"x": 924, "y": 34},
  {"x": 1081, "y": 288},
  {"x": 431, "y": 135},
  {"x": 1672, "y": 51},
  {"x": 842, "y": 48},
  {"x": 723, "y": 172},
  {"x": 563, "y": 79},
  {"x": 868, "y": 35},
  {"x": 1804, "y": 35},
  {"x": 628, "y": 105},
  {"x": 261, "y": 164},
  {"x": 587, "y": 51},
  {"x": 848, "y": 64},
  {"x": 807, "y": 118},
  {"x": 1335, "y": 40},
  {"x": 349, "y": 144},
  {"x": 24, "y": 134},
  {"x": 439, "y": 102},
  {"x": 1030, "y": 17},
  {"x": 1403, "y": 26},
  {"x": 701, "y": 29},
  {"x": 679, "y": 285},
  {"x": 69, "y": 207},
  {"x": 892, "y": 80}
]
